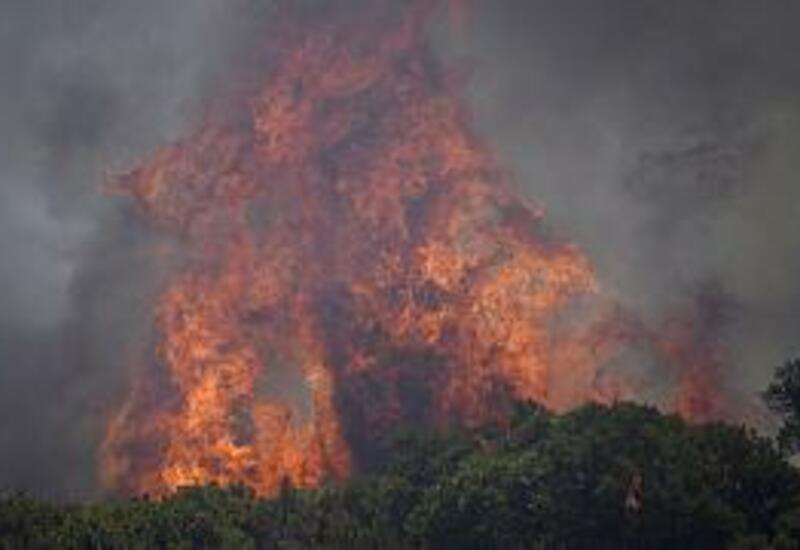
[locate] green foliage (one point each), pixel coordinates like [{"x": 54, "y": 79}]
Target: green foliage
[
  {"x": 598, "y": 477},
  {"x": 608, "y": 478},
  {"x": 783, "y": 398}
]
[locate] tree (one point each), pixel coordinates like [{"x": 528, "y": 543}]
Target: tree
[
  {"x": 621, "y": 476},
  {"x": 783, "y": 398}
]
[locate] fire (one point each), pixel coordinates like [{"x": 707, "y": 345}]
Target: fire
[{"x": 352, "y": 258}]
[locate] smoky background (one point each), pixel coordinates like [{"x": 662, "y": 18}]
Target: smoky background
[
  {"x": 661, "y": 136},
  {"x": 88, "y": 88}
]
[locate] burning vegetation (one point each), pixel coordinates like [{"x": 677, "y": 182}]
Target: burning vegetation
[{"x": 352, "y": 259}]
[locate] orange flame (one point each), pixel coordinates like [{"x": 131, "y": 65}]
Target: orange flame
[{"x": 353, "y": 258}]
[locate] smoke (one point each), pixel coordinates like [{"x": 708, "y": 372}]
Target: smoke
[
  {"x": 88, "y": 88},
  {"x": 661, "y": 136},
  {"x": 658, "y": 135}
]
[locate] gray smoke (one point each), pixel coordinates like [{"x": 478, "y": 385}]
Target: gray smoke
[
  {"x": 661, "y": 136},
  {"x": 88, "y": 87}
]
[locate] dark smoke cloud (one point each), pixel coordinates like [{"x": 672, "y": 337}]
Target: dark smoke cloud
[
  {"x": 662, "y": 136},
  {"x": 87, "y": 87},
  {"x": 659, "y": 135}
]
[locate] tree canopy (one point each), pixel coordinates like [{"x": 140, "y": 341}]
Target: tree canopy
[
  {"x": 783, "y": 398},
  {"x": 622, "y": 476}
]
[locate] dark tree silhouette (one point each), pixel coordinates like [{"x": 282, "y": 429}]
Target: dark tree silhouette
[{"x": 783, "y": 398}]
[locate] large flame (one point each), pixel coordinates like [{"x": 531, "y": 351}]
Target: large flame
[{"x": 352, "y": 259}]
